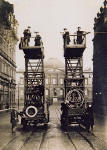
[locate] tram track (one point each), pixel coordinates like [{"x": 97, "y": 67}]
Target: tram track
[
  {"x": 42, "y": 141},
  {"x": 87, "y": 140},
  {"x": 84, "y": 137},
  {"x": 72, "y": 136},
  {"x": 15, "y": 140},
  {"x": 30, "y": 138},
  {"x": 71, "y": 141},
  {"x": 12, "y": 140},
  {"x": 27, "y": 139},
  {"x": 68, "y": 136}
]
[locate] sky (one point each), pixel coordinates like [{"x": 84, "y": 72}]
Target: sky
[{"x": 49, "y": 17}]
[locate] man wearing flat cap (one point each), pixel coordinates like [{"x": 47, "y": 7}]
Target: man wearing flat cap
[
  {"x": 66, "y": 37},
  {"x": 27, "y": 35}
]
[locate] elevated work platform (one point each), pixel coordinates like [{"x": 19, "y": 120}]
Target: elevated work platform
[
  {"x": 74, "y": 49},
  {"x": 35, "y": 52},
  {"x": 30, "y": 50}
]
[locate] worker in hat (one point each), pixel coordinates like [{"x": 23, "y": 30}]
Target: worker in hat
[
  {"x": 13, "y": 119},
  {"x": 90, "y": 118},
  {"x": 66, "y": 37},
  {"x": 37, "y": 39},
  {"x": 27, "y": 35},
  {"x": 80, "y": 36}
]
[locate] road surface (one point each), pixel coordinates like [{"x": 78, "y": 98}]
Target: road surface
[{"x": 50, "y": 138}]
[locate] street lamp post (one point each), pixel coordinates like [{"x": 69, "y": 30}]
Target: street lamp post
[
  {"x": 10, "y": 84},
  {"x": 18, "y": 96}
]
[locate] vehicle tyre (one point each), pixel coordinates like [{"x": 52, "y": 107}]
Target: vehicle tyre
[{"x": 31, "y": 111}]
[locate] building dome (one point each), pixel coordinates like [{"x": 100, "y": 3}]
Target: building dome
[{"x": 53, "y": 63}]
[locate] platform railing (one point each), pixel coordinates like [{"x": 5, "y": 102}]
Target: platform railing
[
  {"x": 75, "y": 41},
  {"x": 25, "y": 43}
]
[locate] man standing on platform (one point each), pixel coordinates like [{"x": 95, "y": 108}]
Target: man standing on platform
[
  {"x": 27, "y": 35},
  {"x": 66, "y": 37},
  {"x": 79, "y": 36}
]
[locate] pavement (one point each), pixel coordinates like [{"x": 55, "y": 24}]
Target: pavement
[{"x": 53, "y": 138}]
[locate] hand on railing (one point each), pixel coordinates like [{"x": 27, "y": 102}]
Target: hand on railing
[
  {"x": 75, "y": 40},
  {"x": 30, "y": 42}
]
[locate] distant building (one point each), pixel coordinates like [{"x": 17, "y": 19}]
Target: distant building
[
  {"x": 88, "y": 74},
  {"x": 100, "y": 61},
  {"x": 8, "y": 41},
  {"x": 19, "y": 96},
  {"x": 54, "y": 82}
]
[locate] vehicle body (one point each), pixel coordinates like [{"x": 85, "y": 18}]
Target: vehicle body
[
  {"x": 75, "y": 107},
  {"x": 36, "y": 109}
]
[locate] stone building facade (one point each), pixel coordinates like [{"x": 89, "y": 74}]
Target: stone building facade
[
  {"x": 88, "y": 74},
  {"x": 8, "y": 41},
  {"x": 100, "y": 60},
  {"x": 19, "y": 96}
]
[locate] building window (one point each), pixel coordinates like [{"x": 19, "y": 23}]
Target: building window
[
  {"x": 3, "y": 67},
  {"x": 86, "y": 92},
  {"x": 21, "y": 93},
  {"x": 47, "y": 81},
  {"x": 46, "y": 92},
  {"x": 21, "y": 81},
  {"x": 55, "y": 92},
  {"x": 54, "y": 81},
  {"x": 86, "y": 81},
  {"x": 61, "y": 81},
  {"x": 90, "y": 80},
  {"x": 61, "y": 92},
  {"x": 0, "y": 66}
]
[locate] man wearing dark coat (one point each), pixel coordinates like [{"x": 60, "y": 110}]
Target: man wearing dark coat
[
  {"x": 79, "y": 36},
  {"x": 27, "y": 35},
  {"x": 90, "y": 119},
  {"x": 66, "y": 37},
  {"x": 13, "y": 119}
]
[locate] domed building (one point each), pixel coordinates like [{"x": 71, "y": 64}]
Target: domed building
[{"x": 54, "y": 80}]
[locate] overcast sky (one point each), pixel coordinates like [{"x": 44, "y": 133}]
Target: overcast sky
[{"x": 49, "y": 17}]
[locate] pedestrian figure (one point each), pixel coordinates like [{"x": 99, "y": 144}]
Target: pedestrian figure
[
  {"x": 64, "y": 116},
  {"x": 90, "y": 119},
  {"x": 66, "y": 37},
  {"x": 79, "y": 36},
  {"x": 64, "y": 109},
  {"x": 14, "y": 119},
  {"x": 27, "y": 35},
  {"x": 37, "y": 39}
]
